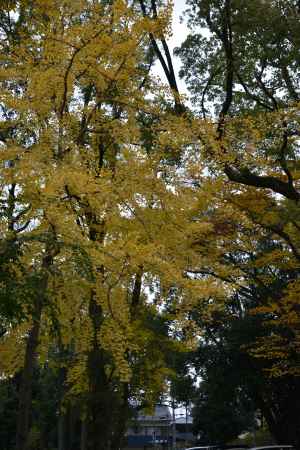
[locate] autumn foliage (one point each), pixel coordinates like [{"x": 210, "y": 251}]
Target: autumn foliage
[{"x": 122, "y": 210}]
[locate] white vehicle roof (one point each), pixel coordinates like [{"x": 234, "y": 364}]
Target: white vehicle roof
[{"x": 202, "y": 447}]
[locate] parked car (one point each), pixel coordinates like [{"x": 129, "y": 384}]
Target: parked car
[
  {"x": 235, "y": 447},
  {"x": 264, "y": 447},
  {"x": 205, "y": 447}
]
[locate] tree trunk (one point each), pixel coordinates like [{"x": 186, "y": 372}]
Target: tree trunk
[
  {"x": 61, "y": 432},
  {"x": 72, "y": 419},
  {"x": 61, "y": 420},
  {"x": 100, "y": 404},
  {"x": 25, "y": 391},
  {"x": 83, "y": 435},
  {"x": 122, "y": 420},
  {"x": 100, "y": 398}
]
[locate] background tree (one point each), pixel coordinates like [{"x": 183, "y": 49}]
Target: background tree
[{"x": 109, "y": 219}]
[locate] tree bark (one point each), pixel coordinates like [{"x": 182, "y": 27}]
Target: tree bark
[
  {"x": 100, "y": 403},
  {"x": 83, "y": 435},
  {"x": 122, "y": 420},
  {"x": 25, "y": 391},
  {"x": 61, "y": 431}
]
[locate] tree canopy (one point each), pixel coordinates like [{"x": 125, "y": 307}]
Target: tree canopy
[{"x": 131, "y": 221}]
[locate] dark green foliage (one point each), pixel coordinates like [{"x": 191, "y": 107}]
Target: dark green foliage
[
  {"x": 8, "y": 409},
  {"x": 182, "y": 389},
  {"x": 235, "y": 385},
  {"x": 257, "y": 41},
  {"x": 221, "y": 413}
]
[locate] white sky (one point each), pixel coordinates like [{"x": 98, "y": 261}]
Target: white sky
[
  {"x": 179, "y": 29},
  {"x": 180, "y": 32}
]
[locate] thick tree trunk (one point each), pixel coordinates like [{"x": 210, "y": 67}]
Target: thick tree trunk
[
  {"x": 122, "y": 420},
  {"x": 100, "y": 405},
  {"x": 100, "y": 400},
  {"x": 61, "y": 431},
  {"x": 61, "y": 420},
  {"x": 72, "y": 419},
  {"x": 83, "y": 435},
  {"x": 25, "y": 390}
]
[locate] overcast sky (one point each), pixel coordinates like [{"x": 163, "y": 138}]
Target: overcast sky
[
  {"x": 179, "y": 34},
  {"x": 180, "y": 30}
]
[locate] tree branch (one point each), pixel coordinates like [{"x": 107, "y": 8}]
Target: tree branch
[{"x": 245, "y": 176}]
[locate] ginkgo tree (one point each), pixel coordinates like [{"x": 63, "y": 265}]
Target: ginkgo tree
[{"x": 101, "y": 213}]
